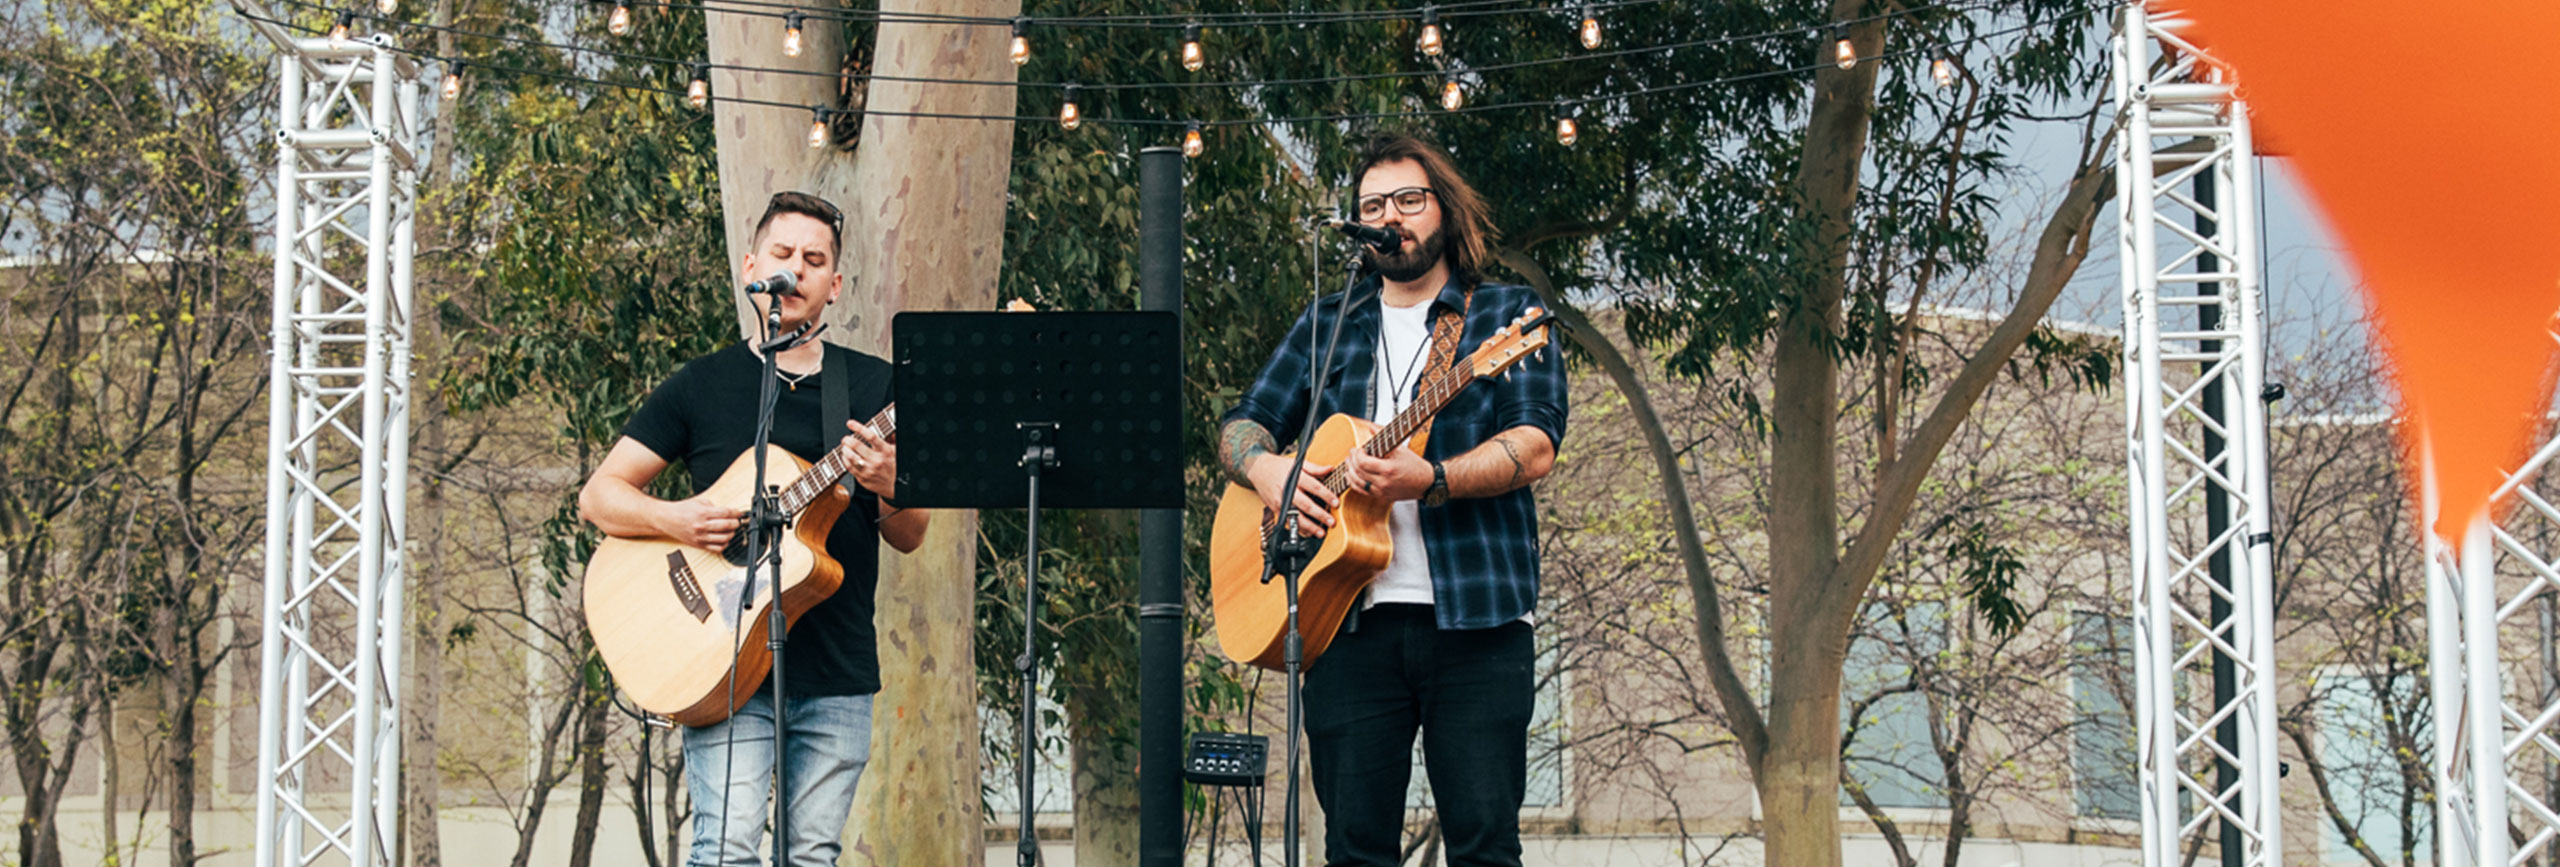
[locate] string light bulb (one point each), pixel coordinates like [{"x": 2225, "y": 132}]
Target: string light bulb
[
  {"x": 1841, "y": 49},
  {"x": 1943, "y": 68},
  {"x": 619, "y": 23},
  {"x": 791, "y": 35},
  {"x": 817, "y": 127},
  {"x": 341, "y": 31},
  {"x": 1068, "y": 116},
  {"x": 1567, "y": 132},
  {"x": 1452, "y": 96},
  {"x": 1590, "y": 30},
  {"x": 698, "y": 91},
  {"x": 1192, "y": 57},
  {"x": 1430, "y": 42},
  {"x": 1191, "y": 144},
  {"x": 453, "y": 81},
  {"x": 1021, "y": 41},
  {"x": 386, "y": 7}
]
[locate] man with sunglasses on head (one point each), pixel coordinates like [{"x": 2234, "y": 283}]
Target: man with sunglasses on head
[
  {"x": 1441, "y": 644},
  {"x": 705, "y": 415}
]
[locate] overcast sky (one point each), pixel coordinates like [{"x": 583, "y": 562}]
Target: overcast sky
[{"x": 2310, "y": 283}]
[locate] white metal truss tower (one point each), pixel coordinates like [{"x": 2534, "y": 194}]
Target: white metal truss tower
[
  {"x": 2203, "y": 624},
  {"x": 337, "y": 453},
  {"x": 2493, "y": 604}
]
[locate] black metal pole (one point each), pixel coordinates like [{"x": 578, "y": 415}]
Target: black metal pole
[
  {"x": 765, "y": 525},
  {"x": 2217, "y": 521},
  {"x": 1039, "y": 453},
  {"x": 1160, "y": 544}
]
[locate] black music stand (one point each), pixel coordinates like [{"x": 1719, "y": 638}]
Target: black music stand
[{"x": 1005, "y": 410}]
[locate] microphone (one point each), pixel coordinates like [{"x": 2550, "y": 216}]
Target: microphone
[
  {"x": 779, "y": 283},
  {"x": 1386, "y": 240}
]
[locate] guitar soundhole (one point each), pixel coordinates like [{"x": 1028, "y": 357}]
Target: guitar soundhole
[{"x": 736, "y": 553}]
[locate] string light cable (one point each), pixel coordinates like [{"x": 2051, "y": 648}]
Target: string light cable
[
  {"x": 1428, "y": 73},
  {"x": 1155, "y": 21},
  {"x": 1545, "y": 105}
]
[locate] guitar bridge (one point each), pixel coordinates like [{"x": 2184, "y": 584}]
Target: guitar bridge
[{"x": 688, "y": 590}]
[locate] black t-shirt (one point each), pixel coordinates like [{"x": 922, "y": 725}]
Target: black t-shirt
[{"x": 705, "y": 416}]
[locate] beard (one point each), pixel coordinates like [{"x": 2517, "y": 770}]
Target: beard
[{"x": 1409, "y": 262}]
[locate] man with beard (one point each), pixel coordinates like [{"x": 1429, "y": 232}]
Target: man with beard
[
  {"x": 1441, "y": 644},
  {"x": 705, "y": 416}
]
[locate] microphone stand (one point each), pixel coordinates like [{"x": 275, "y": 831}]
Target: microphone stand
[
  {"x": 1287, "y": 553},
  {"x": 765, "y": 523}
]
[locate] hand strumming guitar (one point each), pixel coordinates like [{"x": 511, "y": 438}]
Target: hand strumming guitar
[
  {"x": 1315, "y": 502},
  {"x": 699, "y": 522}
]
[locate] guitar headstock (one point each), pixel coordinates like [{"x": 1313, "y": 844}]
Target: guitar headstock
[{"x": 1515, "y": 341}]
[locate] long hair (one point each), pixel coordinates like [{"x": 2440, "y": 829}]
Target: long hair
[{"x": 1463, "y": 214}]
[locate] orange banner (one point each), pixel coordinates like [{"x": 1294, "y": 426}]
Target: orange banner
[{"x": 2429, "y": 133}]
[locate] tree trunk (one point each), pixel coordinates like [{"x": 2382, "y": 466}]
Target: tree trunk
[
  {"x": 39, "y": 836},
  {"x": 591, "y": 774},
  {"x": 918, "y": 803},
  {"x": 111, "y": 775},
  {"x": 764, "y": 150},
  {"x": 1810, "y": 605},
  {"x": 1799, "y": 777},
  {"x": 925, "y": 231},
  {"x": 671, "y": 793},
  {"x": 1106, "y": 790},
  {"x": 642, "y": 770},
  {"x": 537, "y": 795},
  {"x": 421, "y": 784},
  {"x": 182, "y": 683}
]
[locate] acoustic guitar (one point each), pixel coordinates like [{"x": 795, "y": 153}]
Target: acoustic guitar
[
  {"x": 1252, "y": 615},
  {"x": 665, "y": 615}
]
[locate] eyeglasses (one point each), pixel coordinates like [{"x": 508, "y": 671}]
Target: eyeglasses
[
  {"x": 1409, "y": 201},
  {"x": 794, "y": 200}
]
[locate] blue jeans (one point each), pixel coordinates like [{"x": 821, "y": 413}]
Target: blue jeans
[{"x": 829, "y": 739}]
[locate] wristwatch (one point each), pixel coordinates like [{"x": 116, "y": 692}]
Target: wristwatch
[{"x": 1438, "y": 493}]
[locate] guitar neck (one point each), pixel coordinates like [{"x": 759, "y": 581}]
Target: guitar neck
[
  {"x": 1399, "y": 430},
  {"x": 826, "y": 471}
]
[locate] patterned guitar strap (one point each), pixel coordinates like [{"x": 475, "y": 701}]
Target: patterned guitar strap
[{"x": 1445, "y": 331}]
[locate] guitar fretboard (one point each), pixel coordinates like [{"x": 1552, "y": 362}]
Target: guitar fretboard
[
  {"x": 827, "y": 470},
  {"x": 1434, "y": 395}
]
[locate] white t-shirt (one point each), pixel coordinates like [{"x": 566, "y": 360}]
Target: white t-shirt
[{"x": 1405, "y": 333}]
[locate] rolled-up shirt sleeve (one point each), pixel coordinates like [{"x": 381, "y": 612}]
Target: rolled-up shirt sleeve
[
  {"x": 1535, "y": 393},
  {"x": 1277, "y": 400}
]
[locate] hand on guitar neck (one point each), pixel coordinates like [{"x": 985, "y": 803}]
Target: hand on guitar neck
[{"x": 873, "y": 460}]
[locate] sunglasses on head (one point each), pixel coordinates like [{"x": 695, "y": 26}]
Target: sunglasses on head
[{"x": 798, "y": 201}]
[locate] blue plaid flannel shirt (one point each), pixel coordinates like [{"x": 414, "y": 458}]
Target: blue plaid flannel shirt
[{"x": 1484, "y": 551}]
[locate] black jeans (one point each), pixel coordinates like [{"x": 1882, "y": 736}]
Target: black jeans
[{"x": 1470, "y": 692}]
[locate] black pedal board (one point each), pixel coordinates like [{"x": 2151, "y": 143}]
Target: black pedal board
[{"x": 1224, "y": 759}]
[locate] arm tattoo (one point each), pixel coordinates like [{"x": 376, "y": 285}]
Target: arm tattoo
[
  {"x": 1241, "y": 442},
  {"x": 1518, "y": 469}
]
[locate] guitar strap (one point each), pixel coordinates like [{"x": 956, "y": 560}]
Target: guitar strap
[
  {"x": 1445, "y": 332},
  {"x": 836, "y": 390}
]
